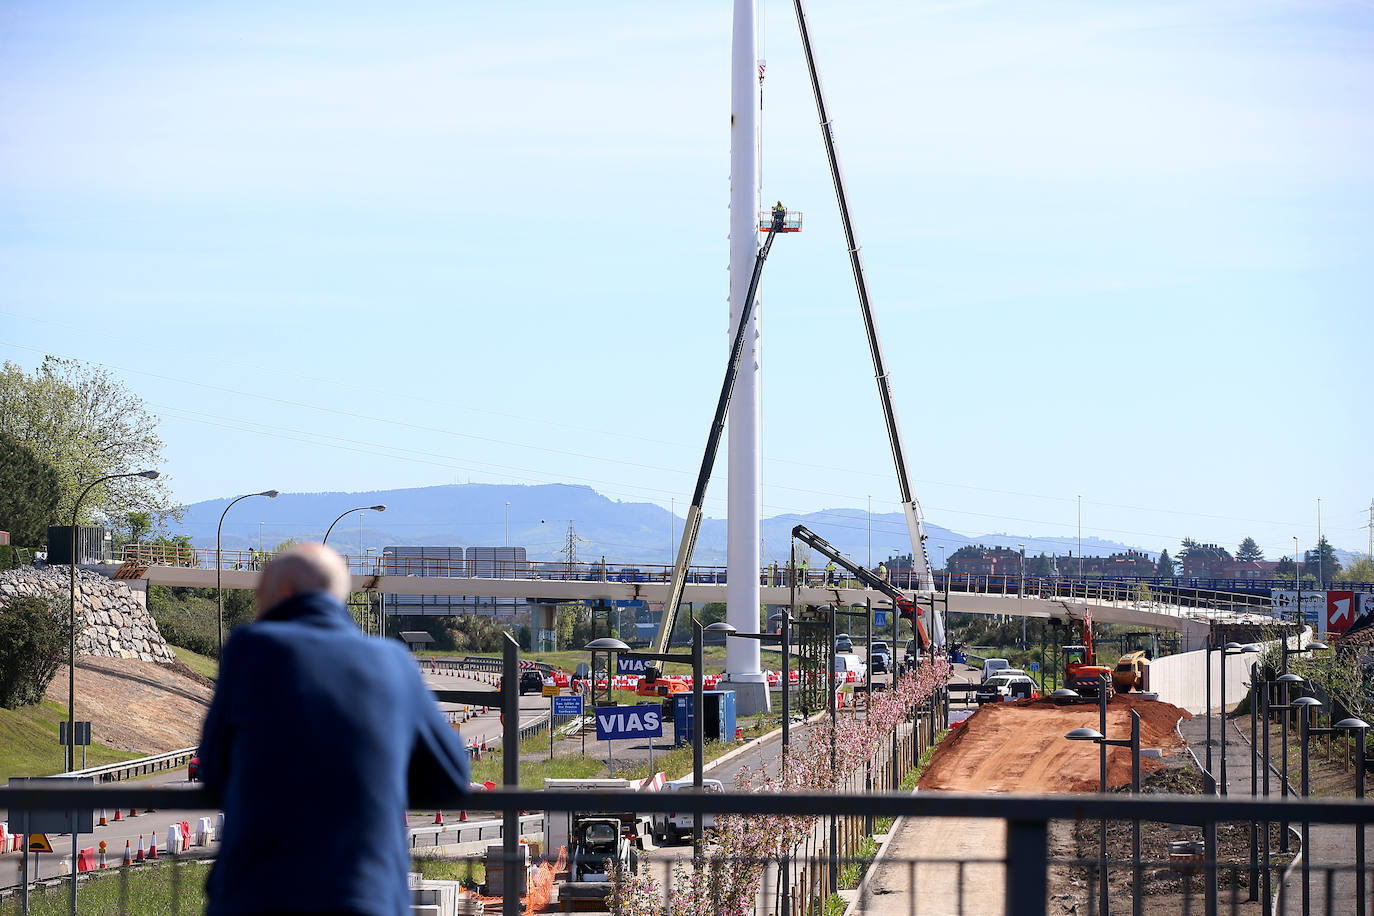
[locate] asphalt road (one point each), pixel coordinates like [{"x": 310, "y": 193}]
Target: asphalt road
[{"x": 116, "y": 834}]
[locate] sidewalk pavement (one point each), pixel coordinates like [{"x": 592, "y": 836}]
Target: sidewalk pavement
[{"x": 1331, "y": 858}]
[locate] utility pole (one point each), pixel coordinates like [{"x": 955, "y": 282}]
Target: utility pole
[
  {"x": 1371, "y": 530},
  {"x": 1080, "y": 535},
  {"x": 1321, "y": 583}
]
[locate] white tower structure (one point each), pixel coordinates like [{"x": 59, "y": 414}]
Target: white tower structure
[{"x": 742, "y": 667}]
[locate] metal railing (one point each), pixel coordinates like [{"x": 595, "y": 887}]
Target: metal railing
[
  {"x": 1019, "y": 882},
  {"x": 1174, "y": 597},
  {"x": 140, "y": 766}
]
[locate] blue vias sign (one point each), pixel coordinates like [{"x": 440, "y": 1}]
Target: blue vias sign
[
  {"x": 621, "y": 723},
  {"x": 629, "y": 664}
]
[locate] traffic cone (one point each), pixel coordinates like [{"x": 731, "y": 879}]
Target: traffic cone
[
  {"x": 102, "y": 818},
  {"x": 152, "y": 847},
  {"x": 462, "y": 816},
  {"x": 102, "y": 853},
  {"x": 438, "y": 818},
  {"x": 133, "y": 812},
  {"x": 139, "y": 856},
  {"x": 128, "y": 855},
  {"x": 118, "y": 816}
]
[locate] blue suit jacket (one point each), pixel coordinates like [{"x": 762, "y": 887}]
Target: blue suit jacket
[{"x": 315, "y": 739}]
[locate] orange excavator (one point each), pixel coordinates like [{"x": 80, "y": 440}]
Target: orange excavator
[
  {"x": 654, "y": 683},
  {"x": 1082, "y": 673}
]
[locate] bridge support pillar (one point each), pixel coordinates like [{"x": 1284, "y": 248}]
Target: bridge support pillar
[{"x": 751, "y": 692}]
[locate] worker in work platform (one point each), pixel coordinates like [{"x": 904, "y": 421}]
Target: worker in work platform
[
  {"x": 303, "y": 684},
  {"x": 830, "y": 573},
  {"x": 779, "y": 216},
  {"x": 882, "y": 571}
]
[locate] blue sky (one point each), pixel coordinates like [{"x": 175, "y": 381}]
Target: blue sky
[{"x": 1117, "y": 250}]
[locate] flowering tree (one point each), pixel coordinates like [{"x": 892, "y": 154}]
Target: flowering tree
[{"x": 727, "y": 881}]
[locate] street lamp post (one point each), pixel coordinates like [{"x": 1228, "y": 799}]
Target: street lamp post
[
  {"x": 1287, "y": 681},
  {"x": 699, "y": 716},
  {"x": 1305, "y": 707},
  {"x": 507, "y": 523},
  {"x": 610, "y": 645},
  {"x": 1103, "y": 742},
  {"x": 71, "y": 613},
  {"x": 342, "y": 514},
  {"x": 1359, "y": 727},
  {"x": 1020, "y": 595},
  {"x": 1231, "y": 648},
  {"x": 219, "y": 564}
]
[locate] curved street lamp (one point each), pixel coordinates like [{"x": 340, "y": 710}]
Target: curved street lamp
[
  {"x": 219, "y": 591},
  {"x": 71, "y": 614},
  {"x": 340, "y": 518}
]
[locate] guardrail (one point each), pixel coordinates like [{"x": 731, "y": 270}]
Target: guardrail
[{"x": 141, "y": 766}]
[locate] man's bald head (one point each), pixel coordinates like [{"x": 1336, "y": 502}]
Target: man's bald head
[{"x": 303, "y": 568}]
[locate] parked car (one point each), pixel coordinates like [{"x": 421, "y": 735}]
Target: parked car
[
  {"x": 1003, "y": 687},
  {"x": 993, "y": 667},
  {"x": 880, "y": 657},
  {"x": 843, "y": 643},
  {"x": 531, "y": 681}
]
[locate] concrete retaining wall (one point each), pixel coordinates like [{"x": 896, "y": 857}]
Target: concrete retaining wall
[{"x": 1182, "y": 679}]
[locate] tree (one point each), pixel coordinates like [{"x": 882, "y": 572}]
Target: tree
[
  {"x": 84, "y": 424},
  {"x": 1362, "y": 570},
  {"x": 1323, "y": 559},
  {"x": 1286, "y": 568},
  {"x": 1165, "y": 566},
  {"x": 34, "y": 636},
  {"x": 29, "y": 492},
  {"x": 1249, "y": 550}
]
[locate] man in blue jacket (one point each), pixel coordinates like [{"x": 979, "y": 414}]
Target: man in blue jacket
[{"x": 315, "y": 739}]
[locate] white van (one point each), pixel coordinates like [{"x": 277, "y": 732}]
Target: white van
[
  {"x": 849, "y": 662},
  {"x": 991, "y": 666}
]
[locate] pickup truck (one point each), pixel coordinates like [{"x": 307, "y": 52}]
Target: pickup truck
[
  {"x": 673, "y": 826},
  {"x": 1004, "y": 687}
]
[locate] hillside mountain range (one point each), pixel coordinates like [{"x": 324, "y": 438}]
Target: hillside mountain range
[{"x": 542, "y": 517}]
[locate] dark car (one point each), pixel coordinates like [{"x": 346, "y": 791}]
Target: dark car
[{"x": 531, "y": 681}]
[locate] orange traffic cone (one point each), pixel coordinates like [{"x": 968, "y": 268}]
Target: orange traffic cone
[
  {"x": 152, "y": 848},
  {"x": 139, "y": 856},
  {"x": 133, "y": 812},
  {"x": 462, "y": 815},
  {"x": 128, "y": 854},
  {"x": 438, "y": 818},
  {"x": 102, "y": 818},
  {"x": 118, "y": 816},
  {"x": 102, "y": 853}
]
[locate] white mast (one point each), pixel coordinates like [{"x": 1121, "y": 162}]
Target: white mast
[{"x": 742, "y": 666}]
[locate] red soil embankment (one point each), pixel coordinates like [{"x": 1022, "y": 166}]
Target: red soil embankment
[{"x": 1020, "y": 747}]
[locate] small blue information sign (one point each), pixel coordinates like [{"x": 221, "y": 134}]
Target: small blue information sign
[
  {"x": 567, "y": 706},
  {"x": 619, "y": 723},
  {"x": 880, "y": 618},
  {"x": 1035, "y": 666}
]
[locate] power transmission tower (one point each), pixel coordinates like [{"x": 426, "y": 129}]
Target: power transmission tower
[{"x": 569, "y": 549}]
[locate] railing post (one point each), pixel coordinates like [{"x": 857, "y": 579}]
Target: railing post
[{"x": 1027, "y": 873}]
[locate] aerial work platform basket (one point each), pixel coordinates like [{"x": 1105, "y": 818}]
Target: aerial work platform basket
[{"x": 791, "y": 221}]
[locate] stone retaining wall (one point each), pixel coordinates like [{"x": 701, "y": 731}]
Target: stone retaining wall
[{"x": 117, "y": 624}]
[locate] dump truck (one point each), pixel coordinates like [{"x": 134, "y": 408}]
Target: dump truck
[{"x": 1132, "y": 672}]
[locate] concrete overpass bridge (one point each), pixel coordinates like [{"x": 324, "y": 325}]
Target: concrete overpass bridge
[{"x": 548, "y": 584}]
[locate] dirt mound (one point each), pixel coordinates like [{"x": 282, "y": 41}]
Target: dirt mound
[
  {"x": 136, "y": 706},
  {"x": 1020, "y": 747}
]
